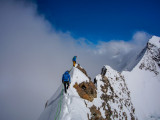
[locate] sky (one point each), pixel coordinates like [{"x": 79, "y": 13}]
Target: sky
[
  {"x": 35, "y": 53},
  {"x": 103, "y": 20}
]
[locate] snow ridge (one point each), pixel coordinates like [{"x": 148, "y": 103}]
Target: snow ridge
[
  {"x": 128, "y": 95},
  {"x": 113, "y": 98},
  {"x": 144, "y": 82},
  {"x": 151, "y": 58}
]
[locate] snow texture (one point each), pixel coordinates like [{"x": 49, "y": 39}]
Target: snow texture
[
  {"x": 120, "y": 102},
  {"x": 144, "y": 82},
  {"x": 75, "y": 108},
  {"x": 117, "y": 93}
]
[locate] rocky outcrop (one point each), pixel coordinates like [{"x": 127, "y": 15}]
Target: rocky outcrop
[
  {"x": 114, "y": 98},
  {"x": 105, "y": 97},
  {"x": 151, "y": 59},
  {"x": 86, "y": 90},
  {"x": 95, "y": 113},
  {"x": 113, "y": 102}
]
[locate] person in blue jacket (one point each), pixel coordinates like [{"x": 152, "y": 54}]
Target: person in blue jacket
[
  {"x": 74, "y": 60},
  {"x": 66, "y": 80}
]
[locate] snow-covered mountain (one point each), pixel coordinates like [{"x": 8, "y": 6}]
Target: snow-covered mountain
[
  {"x": 129, "y": 95},
  {"x": 109, "y": 100},
  {"x": 114, "y": 96},
  {"x": 144, "y": 82}
]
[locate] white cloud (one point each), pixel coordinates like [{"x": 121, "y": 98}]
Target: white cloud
[
  {"x": 140, "y": 38},
  {"x": 114, "y": 47},
  {"x": 34, "y": 56}
]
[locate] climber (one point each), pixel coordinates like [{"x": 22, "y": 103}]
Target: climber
[
  {"x": 66, "y": 80},
  {"x": 95, "y": 82},
  {"x": 74, "y": 60},
  {"x": 103, "y": 71}
]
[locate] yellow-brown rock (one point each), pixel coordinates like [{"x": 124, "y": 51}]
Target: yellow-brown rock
[{"x": 86, "y": 90}]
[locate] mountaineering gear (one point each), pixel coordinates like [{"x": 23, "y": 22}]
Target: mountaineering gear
[
  {"x": 66, "y": 86},
  {"x": 66, "y": 80},
  {"x": 74, "y": 63},
  {"x": 103, "y": 71},
  {"x": 74, "y": 60},
  {"x": 57, "y": 116},
  {"x": 66, "y": 77},
  {"x": 70, "y": 69}
]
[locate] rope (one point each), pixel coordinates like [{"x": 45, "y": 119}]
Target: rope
[
  {"x": 70, "y": 69},
  {"x": 59, "y": 106},
  {"x": 60, "y": 103}
]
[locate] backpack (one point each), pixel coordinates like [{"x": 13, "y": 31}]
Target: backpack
[{"x": 66, "y": 77}]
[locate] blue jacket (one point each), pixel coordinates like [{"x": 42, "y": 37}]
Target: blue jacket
[
  {"x": 74, "y": 58},
  {"x": 66, "y": 77}
]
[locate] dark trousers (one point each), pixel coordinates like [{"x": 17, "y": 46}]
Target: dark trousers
[{"x": 66, "y": 85}]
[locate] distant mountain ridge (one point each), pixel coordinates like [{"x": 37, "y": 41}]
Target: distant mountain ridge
[
  {"x": 151, "y": 59},
  {"x": 144, "y": 82}
]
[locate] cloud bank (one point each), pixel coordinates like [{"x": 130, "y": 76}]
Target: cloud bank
[{"x": 34, "y": 56}]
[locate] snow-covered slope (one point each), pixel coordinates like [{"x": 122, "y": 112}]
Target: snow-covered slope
[
  {"x": 68, "y": 106},
  {"x": 74, "y": 107},
  {"x": 144, "y": 82},
  {"x": 112, "y": 99},
  {"x": 52, "y": 106},
  {"x": 113, "y": 96}
]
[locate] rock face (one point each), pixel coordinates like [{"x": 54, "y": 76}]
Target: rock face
[
  {"x": 151, "y": 59},
  {"x": 113, "y": 100},
  {"x": 144, "y": 82},
  {"x": 95, "y": 113},
  {"x": 108, "y": 100},
  {"x": 86, "y": 90},
  {"x": 121, "y": 99}
]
